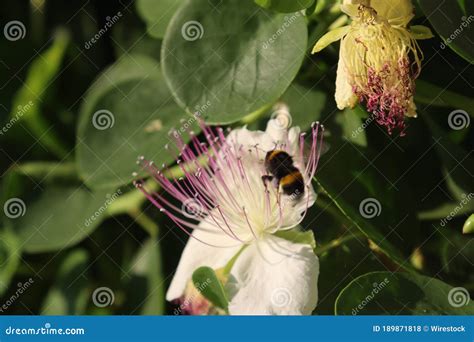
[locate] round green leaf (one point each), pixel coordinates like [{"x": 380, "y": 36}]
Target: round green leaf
[
  {"x": 157, "y": 14},
  {"x": 59, "y": 218},
  {"x": 285, "y": 6},
  {"x": 137, "y": 113},
  {"x": 382, "y": 293},
  {"x": 230, "y": 58}
]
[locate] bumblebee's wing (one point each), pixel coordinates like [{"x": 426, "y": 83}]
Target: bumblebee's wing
[{"x": 323, "y": 148}]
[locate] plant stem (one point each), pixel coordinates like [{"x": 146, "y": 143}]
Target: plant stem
[{"x": 337, "y": 242}]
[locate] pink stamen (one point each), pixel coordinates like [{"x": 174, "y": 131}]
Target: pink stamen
[{"x": 223, "y": 186}]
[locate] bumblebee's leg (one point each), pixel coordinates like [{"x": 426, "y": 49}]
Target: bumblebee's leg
[{"x": 266, "y": 179}]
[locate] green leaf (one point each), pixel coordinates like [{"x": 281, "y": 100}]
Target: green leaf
[
  {"x": 60, "y": 217},
  {"x": 157, "y": 14},
  {"x": 366, "y": 199},
  {"x": 10, "y": 256},
  {"x": 138, "y": 112},
  {"x": 341, "y": 262},
  {"x": 468, "y": 227},
  {"x": 457, "y": 256},
  {"x": 146, "y": 287},
  {"x": 364, "y": 225},
  {"x": 69, "y": 294},
  {"x": 29, "y": 100},
  {"x": 233, "y": 64},
  {"x": 432, "y": 95},
  {"x": 285, "y": 6},
  {"x": 298, "y": 235},
  {"x": 457, "y": 162},
  {"x": 447, "y": 209},
  {"x": 305, "y": 105},
  {"x": 449, "y": 20},
  {"x": 382, "y": 293},
  {"x": 128, "y": 38},
  {"x": 47, "y": 171},
  {"x": 206, "y": 282}
]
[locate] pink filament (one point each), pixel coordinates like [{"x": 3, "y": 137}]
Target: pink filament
[
  {"x": 207, "y": 186},
  {"x": 386, "y": 100}
]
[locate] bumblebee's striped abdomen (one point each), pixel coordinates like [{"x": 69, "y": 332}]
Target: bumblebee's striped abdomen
[
  {"x": 293, "y": 183},
  {"x": 279, "y": 163}
]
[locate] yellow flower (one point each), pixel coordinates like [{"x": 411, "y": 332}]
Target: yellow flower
[{"x": 379, "y": 59}]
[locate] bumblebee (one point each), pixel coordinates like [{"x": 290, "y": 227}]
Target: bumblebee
[{"x": 281, "y": 169}]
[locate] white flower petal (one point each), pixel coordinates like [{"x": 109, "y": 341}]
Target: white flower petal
[
  {"x": 197, "y": 254},
  {"x": 274, "y": 277},
  {"x": 345, "y": 97}
]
